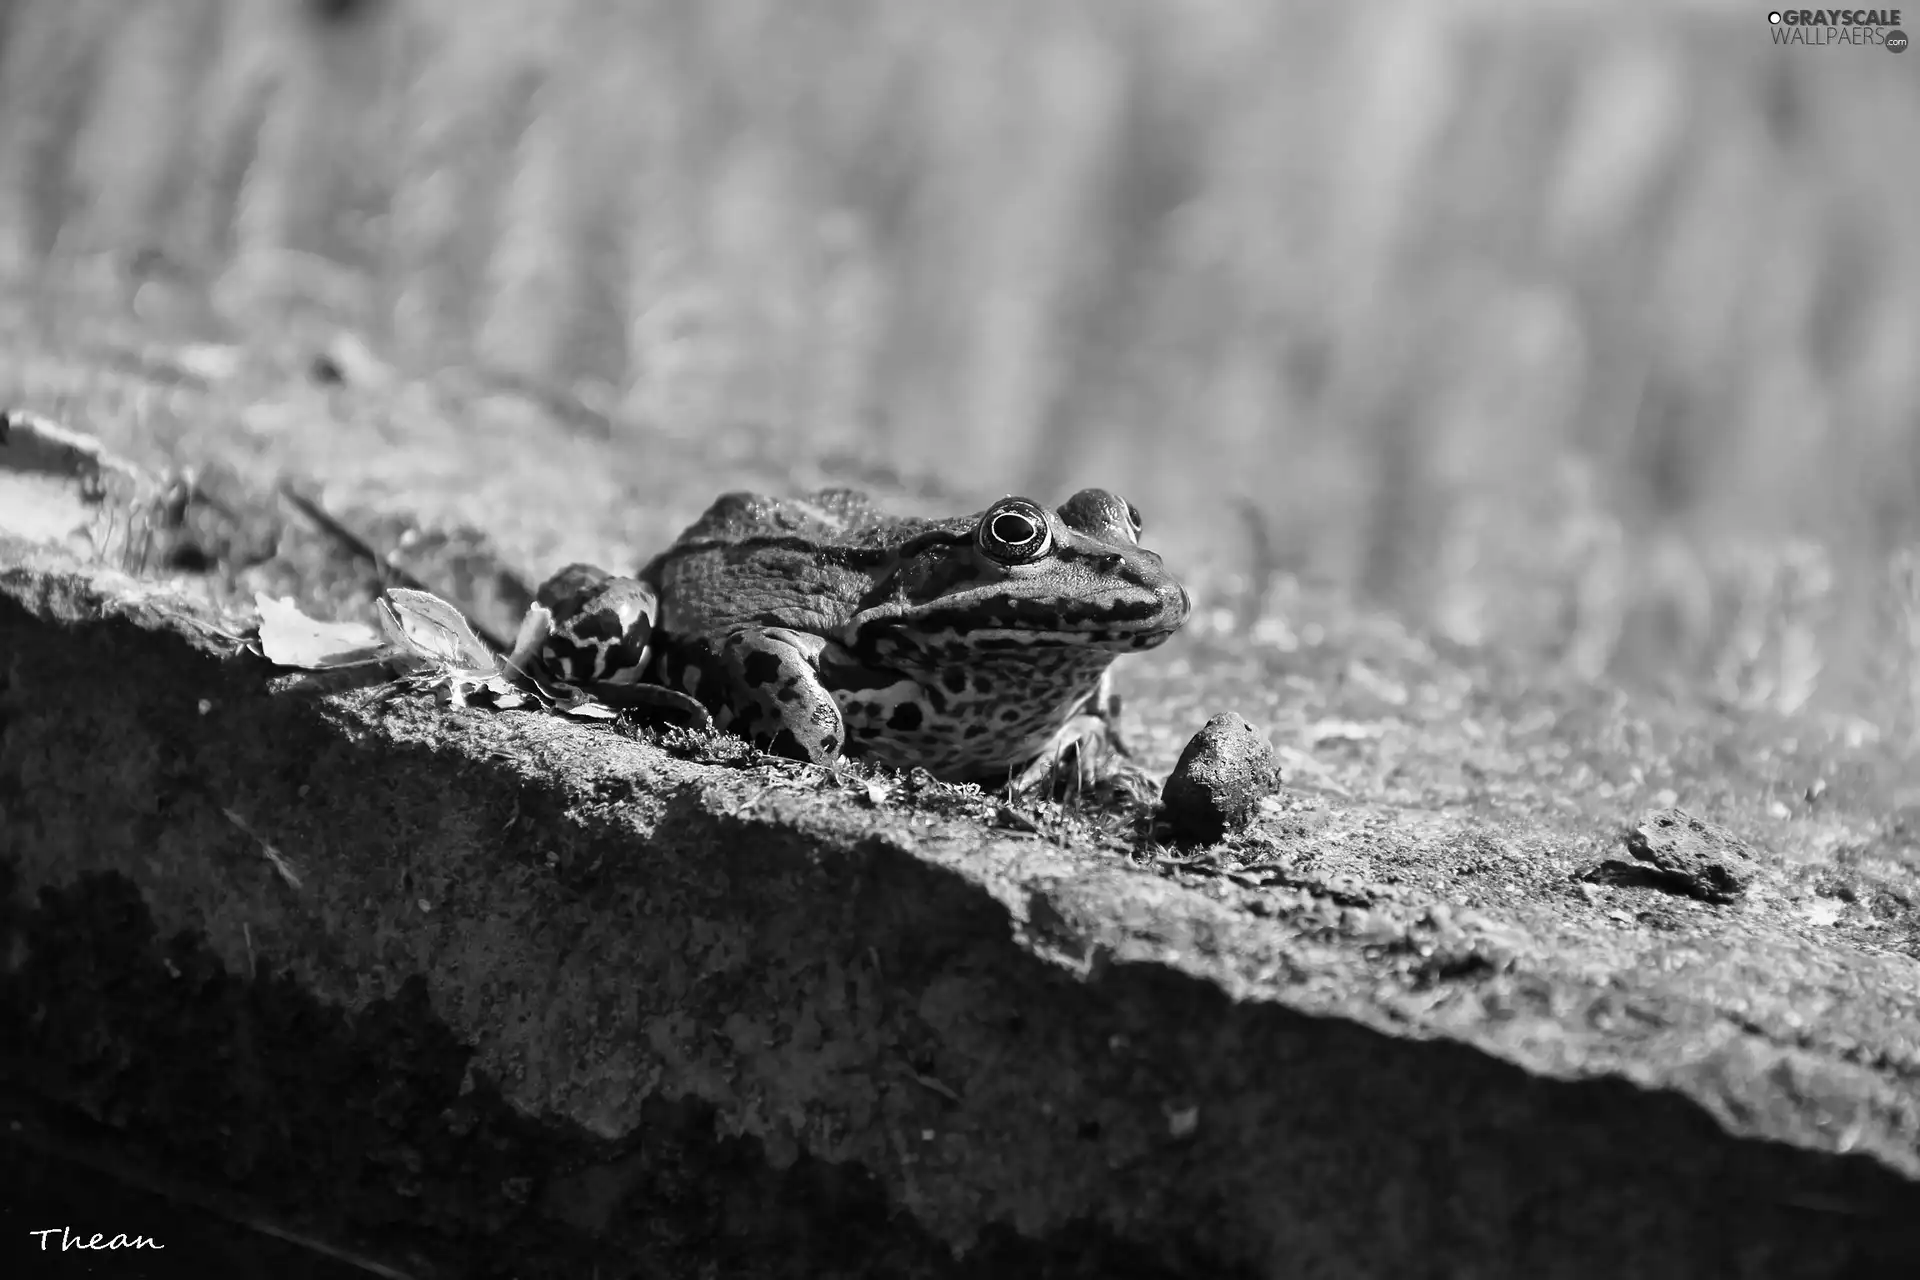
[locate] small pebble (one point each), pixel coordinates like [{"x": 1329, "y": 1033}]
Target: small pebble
[{"x": 1226, "y": 771}]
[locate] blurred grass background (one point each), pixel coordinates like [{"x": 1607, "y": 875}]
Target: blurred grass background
[{"x": 1588, "y": 329}]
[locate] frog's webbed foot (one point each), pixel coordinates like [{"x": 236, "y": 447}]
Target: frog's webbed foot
[
  {"x": 1075, "y": 757},
  {"x": 771, "y": 694},
  {"x": 1085, "y": 749}
]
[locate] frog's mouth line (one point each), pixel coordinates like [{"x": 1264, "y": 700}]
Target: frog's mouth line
[
  {"x": 1136, "y": 612},
  {"x": 990, "y": 640},
  {"x": 983, "y": 637}
]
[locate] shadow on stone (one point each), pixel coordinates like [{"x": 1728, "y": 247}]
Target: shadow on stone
[{"x": 369, "y": 1129}]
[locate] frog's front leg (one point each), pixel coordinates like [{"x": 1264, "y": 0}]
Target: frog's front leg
[{"x": 764, "y": 684}]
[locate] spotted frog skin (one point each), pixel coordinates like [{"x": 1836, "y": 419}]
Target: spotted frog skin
[{"x": 819, "y": 626}]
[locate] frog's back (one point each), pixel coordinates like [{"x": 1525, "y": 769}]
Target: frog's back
[
  {"x": 802, "y": 562},
  {"x": 825, "y": 518}
]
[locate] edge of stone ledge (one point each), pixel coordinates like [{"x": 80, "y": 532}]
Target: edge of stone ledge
[{"x": 998, "y": 1034}]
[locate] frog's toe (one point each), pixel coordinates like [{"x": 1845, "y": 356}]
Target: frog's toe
[
  {"x": 811, "y": 741},
  {"x": 786, "y": 744},
  {"x": 1084, "y": 750},
  {"x": 1069, "y": 755}
]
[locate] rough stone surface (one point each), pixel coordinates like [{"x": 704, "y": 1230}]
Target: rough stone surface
[
  {"x": 1227, "y": 769},
  {"x": 515, "y": 996}
]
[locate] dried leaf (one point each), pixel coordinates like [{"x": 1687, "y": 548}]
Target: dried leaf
[
  {"x": 496, "y": 690},
  {"x": 434, "y": 631},
  {"x": 290, "y": 638}
]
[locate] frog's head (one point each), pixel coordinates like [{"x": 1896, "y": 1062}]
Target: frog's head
[{"x": 1019, "y": 577}]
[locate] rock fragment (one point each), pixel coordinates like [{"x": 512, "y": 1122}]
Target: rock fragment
[
  {"x": 1224, "y": 773},
  {"x": 1679, "y": 853}
]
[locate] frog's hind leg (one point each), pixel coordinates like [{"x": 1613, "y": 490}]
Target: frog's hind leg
[{"x": 763, "y": 685}]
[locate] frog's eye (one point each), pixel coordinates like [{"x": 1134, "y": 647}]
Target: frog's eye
[
  {"x": 1014, "y": 531},
  {"x": 1134, "y": 519}
]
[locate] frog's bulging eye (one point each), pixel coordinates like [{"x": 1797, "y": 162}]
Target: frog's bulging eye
[
  {"x": 1014, "y": 531},
  {"x": 1134, "y": 518}
]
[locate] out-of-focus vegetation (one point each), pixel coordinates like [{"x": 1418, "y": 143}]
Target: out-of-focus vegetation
[{"x": 1589, "y": 328}]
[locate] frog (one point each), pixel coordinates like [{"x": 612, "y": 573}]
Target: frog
[{"x": 973, "y": 647}]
